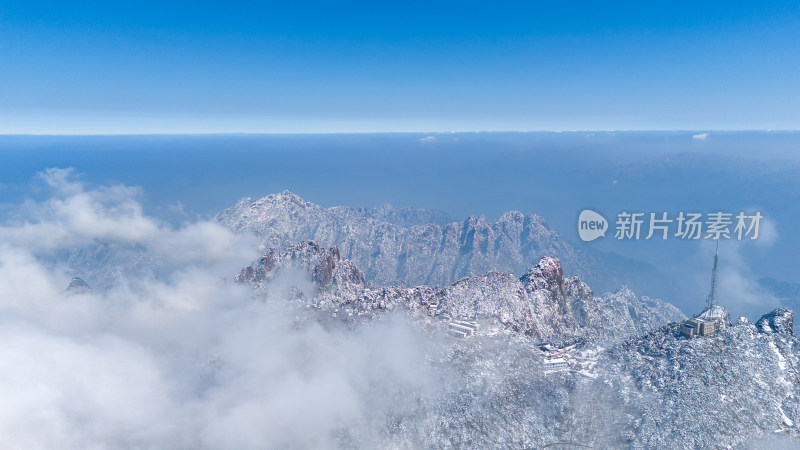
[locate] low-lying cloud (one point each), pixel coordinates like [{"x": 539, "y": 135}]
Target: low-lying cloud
[
  {"x": 166, "y": 351},
  {"x": 177, "y": 356},
  {"x": 738, "y": 289}
]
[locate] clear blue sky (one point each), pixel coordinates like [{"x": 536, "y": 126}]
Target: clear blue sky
[{"x": 171, "y": 67}]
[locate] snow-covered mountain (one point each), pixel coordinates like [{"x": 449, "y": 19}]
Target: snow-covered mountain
[
  {"x": 623, "y": 377},
  {"x": 737, "y": 389},
  {"x": 410, "y": 247},
  {"x": 788, "y": 293},
  {"x": 329, "y": 272},
  {"x": 542, "y": 304},
  {"x": 725, "y": 390}
]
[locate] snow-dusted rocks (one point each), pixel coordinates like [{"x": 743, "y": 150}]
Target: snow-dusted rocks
[
  {"x": 542, "y": 304},
  {"x": 718, "y": 314},
  {"x": 78, "y": 286},
  {"x": 780, "y": 320},
  {"x": 548, "y": 275},
  {"x": 411, "y": 247},
  {"x": 721, "y": 391},
  {"x": 642, "y": 387},
  {"x": 329, "y": 272}
]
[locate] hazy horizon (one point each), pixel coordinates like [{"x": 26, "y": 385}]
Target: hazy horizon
[{"x": 420, "y": 131}]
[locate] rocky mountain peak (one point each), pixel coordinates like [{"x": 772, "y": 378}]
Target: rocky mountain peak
[
  {"x": 543, "y": 304},
  {"x": 78, "y": 286},
  {"x": 577, "y": 288},
  {"x": 328, "y": 269},
  {"x": 547, "y": 274},
  {"x": 517, "y": 218},
  {"x": 780, "y": 320},
  {"x": 511, "y": 216},
  {"x": 286, "y": 197},
  {"x": 412, "y": 247},
  {"x": 473, "y": 222}
]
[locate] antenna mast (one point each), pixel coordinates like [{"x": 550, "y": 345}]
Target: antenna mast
[{"x": 712, "y": 297}]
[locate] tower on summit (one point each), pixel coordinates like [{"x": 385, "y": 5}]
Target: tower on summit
[{"x": 712, "y": 296}]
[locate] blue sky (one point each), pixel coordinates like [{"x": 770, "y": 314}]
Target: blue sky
[{"x": 188, "y": 67}]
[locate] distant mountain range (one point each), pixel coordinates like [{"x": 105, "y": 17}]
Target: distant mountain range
[
  {"x": 784, "y": 290},
  {"x": 542, "y": 304},
  {"x": 411, "y": 247}
]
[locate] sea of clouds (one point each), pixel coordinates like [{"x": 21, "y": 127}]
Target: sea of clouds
[
  {"x": 177, "y": 355},
  {"x": 167, "y": 351}
]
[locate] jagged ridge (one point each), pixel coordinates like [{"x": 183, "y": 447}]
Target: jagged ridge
[
  {"x": 410, "y": 247},
  {"x": 542, "y": 303}
]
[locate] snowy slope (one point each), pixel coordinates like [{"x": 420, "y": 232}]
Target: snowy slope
[
  {"x": 631, "y": 380},
  {"x": 542, "y": 304},
  {"x": 412, "y": 247}
]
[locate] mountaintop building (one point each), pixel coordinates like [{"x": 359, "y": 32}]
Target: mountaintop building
[{"x": 714, "y": 317}]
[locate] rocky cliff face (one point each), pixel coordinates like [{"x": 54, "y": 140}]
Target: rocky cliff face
[
  {"x": 78, "y": 286},
  {"x": 406, "y": 217},
  {"x": 329, "y": 272},
  {"x": 410, "y": 247},
  {"x": 780, "y": 321},
  {"x": 542, "y": 304}
]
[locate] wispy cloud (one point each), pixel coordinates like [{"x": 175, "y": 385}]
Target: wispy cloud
[
  {"x": 738, "y": 288},
  {"x": 180, "y": 358},
  {"x": 700, "y": 136}
]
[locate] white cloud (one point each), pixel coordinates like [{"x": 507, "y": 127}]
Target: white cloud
[
  {"x": 767, "y": 232},
  {"x": 62, "y": 180},
  {"x": 428, "y": 139},
  {"x": 74, "y": 216},
  {"x": 738, "y": 288},
  {"x": 176, "y": 356},
  {"x": 700, "y": 136}
]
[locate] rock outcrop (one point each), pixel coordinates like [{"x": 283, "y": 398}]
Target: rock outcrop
[
  {"x": 329, "y": 272},
  {"x": 780, "y": 320},
  {"x": 410, "y": 247},
  {"x": 78, "y": 286},
  {"x": 542, "y": 304}
]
